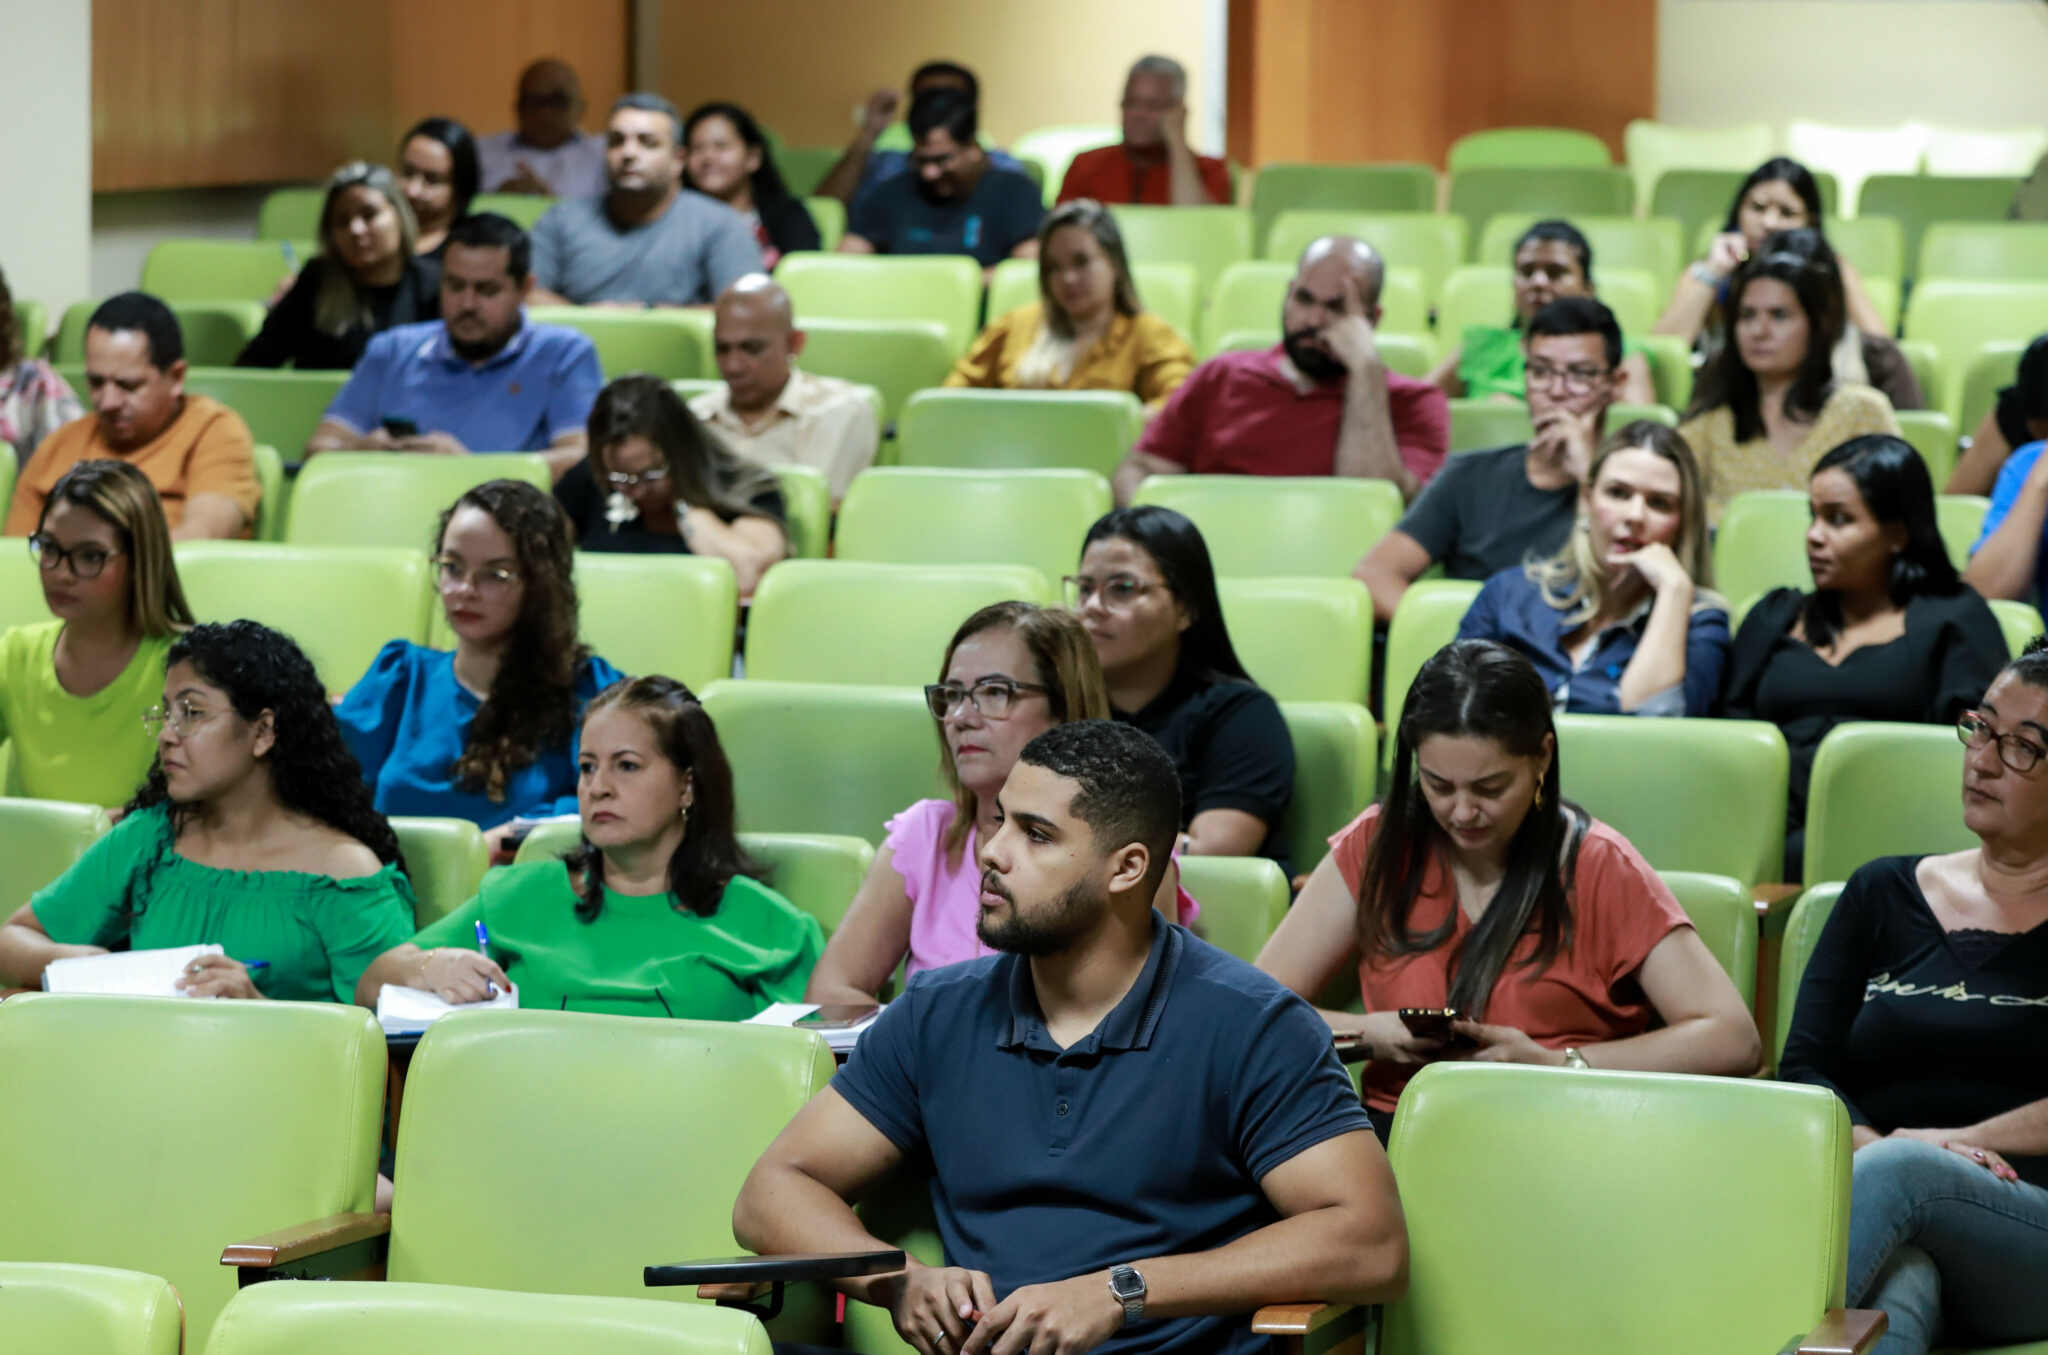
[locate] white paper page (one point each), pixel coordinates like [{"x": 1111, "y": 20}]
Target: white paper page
[
  {"x": 782, "y": 1014},
  {"x": 131, "y": 973},
  {"x": 403, "y": 1010}
]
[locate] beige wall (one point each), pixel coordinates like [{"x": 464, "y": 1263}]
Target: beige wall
[
  {"x": 46, "y": 155},
  {"x": 1966, "y": 63},
  {"x": 801, "y": 66}
]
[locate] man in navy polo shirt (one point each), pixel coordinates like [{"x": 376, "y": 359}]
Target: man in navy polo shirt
[
  {"x": 482, "y": 378},
  {"x": 1135, "y": 1139}
]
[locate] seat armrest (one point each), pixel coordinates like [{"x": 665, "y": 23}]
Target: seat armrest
[
  {"x": 339, "y": 1247},
  {"x": 1843, "y": 1331},
  {"x": 734, "y": 1281},
  {"x": 1771, "y": 900},
  {"x": 1312, "y": 1328}
]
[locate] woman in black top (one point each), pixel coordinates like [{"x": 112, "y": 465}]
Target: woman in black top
[
  {"x": 658, "y": 482},
  {"x": 437, "y": 167},
  {"x": 1889, "y": 632},
  {"x": 1925, "y": 1008},
  {"x": 364, "y": 281},
  {"x": 727, "y": 157},
  {"x": 1146, "y": 593}
]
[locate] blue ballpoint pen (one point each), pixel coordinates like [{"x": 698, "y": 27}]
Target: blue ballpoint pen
[{"x": 483, "y": 945}]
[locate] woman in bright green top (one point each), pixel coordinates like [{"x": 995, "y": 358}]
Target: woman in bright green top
[
  {"x": 73, "y": 691},
  {"x": 654, "y": 915},
  {"x": 255, "y": 831}
]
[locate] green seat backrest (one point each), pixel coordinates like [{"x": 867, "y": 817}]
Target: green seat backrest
[
  {"x": 392, "y": 498},
  {"x": 1480, "y": 194},
  {"x": 1883, "y": 790},
  {"x": 1699, "y": 196},
  {"x": 1762, "y": 541},
  {"x": 1426, "y": 619},
  {"x": 1170, "y": 290},
  {"x": 1052, "y": 149},
  {"x": 802, "y": 167},
  {"x": 1247, "y": 296},
  {"x": 1210, "y": 238},
  {"x": 843, "y": 621},
  {"x": 1995, "y": 366},
  {"x": 942, "y": 288},
  {"x": 1999, "y": 250},
  {"x": 39, "y": 839},
  {"x": 1960, "y": 519},
  {"x": 32, "y": 325},
  {"x": 521, "y": 209},
  {"x": 1484, "y": 294},
  {"x": 282, "y": 408},
  {"x": 112, "y": 1312},
  {"x": 1917, "y": 201},
  {"x": 1670, "y": 359},
  {"x": 215, "y": 332},
  {"x": 21, "y": 586},
  {"x": 1652, "y": 246},
  {"x": 1490, "y": 423},
  {"x": 367, "y": 595},
  {"x": 1296, "y": 526},
  {"x": 896, "y": 357},
  {"x": 291, "y": 213},
  {"x": 633, "y": 1137},
  {"x": 807, "y": 505},
  {"x": 1018, "y": 430},
  {"x": 1302, "y": 639},
  {"x": 1809, "y": 918},
  {"x": 270, "y": 483},
  {"x": 1959, "y": 317},
  {"x": 1035, "y": 518},
  {"x": 445, "y": 860},
  {"x": 222, "y": 270},
  {"x": 1344, "y": 188},
  {"x": 1335, "y": 751},
  {"x": 1933, "y": 435},
  {"x": 1700, "y": 795},
  {"x": 1494, "y": 1161},
  {"x": 353, "y": 1317},
  {"x": 1527, "y": 148},
  {"x": 1722, "y": 912},
  {"x": 820, "y": 758},
  {"x": 1433, "y": 243},
  {"x": 2019, "y": 622},
  {"x": 1654, "y": 149},
  {"x": 149, "y": 1133},
  {"x": 829, "y": 216},
  {"x": 1874, "y": 244},
  {"x": 1243, "y": 898},
  {"x": 1409, "y": 354},
  {"x": 659, "y": 342}
]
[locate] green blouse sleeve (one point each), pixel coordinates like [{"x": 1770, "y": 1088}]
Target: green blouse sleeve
[
  {"x": 455, "y": 929},
  {"x": 365, "y": 918},
  {"x": 87, "y": 904},
  {"x": 788, "y": 941}
]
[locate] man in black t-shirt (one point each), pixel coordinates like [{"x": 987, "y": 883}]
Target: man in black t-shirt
[
  {"x": 952, "y": 201},
  {"x": 1488, "y": 511}
]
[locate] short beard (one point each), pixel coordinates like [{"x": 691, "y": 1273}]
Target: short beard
[
  {"x": 1064, "y": 923},
  {"x": 1313, "y": 363},
  {"x": 478, "y": 352}
]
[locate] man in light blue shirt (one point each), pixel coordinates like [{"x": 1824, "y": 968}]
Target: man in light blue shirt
[{"x": 482, "y": 378}]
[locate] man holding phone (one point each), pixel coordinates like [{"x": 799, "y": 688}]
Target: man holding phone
[
  {"x": 1136, "y": 1139},
  {"x": 482, "y": 378}
]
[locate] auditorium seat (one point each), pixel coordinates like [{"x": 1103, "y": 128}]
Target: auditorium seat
[
  {"x": 291, "y": 213},
  {"x": 1883, "y": 790},
  {"x": 2000, "y": 251},
  {"x": 2018, "y": 621},
  {"x": 88, "y": 1308},
  {"x": 1302, "y": 639},
  {"x": 282, "y": 407},
  {"x": 1409, "y": 354},
  {"x": 1295, "y": 525},
  {"x": 1723, "y": 913},
  {"x": 1052, "y": 149},
  {"x": 906, "y": 516},
  {"x": 1527, "y": 148},
  {"x": 896, "y": 357},
  {"x": 1172, "y": 291},
  {"x": 1697, "y": 197},
  {"x": 39, "y": 840},
  {"x": 1002, "y": 430},
  {"x": 1210, "y": 238},
  {"x": 215, "y": 332},
  {"x": 1243, "y": 898},
  {"x": 1343, "y": 188},
  {"x": 1654, "y": 246},
  {"x": 1426, "y": 619},
  {"x": 1933, "y": 435},
  {"x": 1853, "y": 154},
  {"x": 1961, "y": 317},
  {"x": 340, "y": 603},
  {"x": 807, "y": 503},
  {"x": 1433, "y": 243},
  {"x": 32, "y": 325},
  {"x": 392, "y": 498},
  {"x": 1917, "y": 201},
  {"x": 659, "y": 341},
  {"x": 944, "y": 288},
  {"x": 521, "y": 209},
  {"x": 445, "y": 859},
  {"x": 1484, "y": 295},
  {"x": 222, "y": 270},
  {"x": 1994, "y": 367},
  {"x": 270, "y": 482},
  {"x": 1249, "y": 296},
  {"x": 829, "y": 216},
  {"x": 1479, "y": 195},
  {"x": 1655, "y": 149},
  {"x": 1335, "y": 755},
  {"x": 1761, "y": 543}
]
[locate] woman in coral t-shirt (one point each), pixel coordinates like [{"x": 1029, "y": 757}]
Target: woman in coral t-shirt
[{"x": 1450, "y": 894}]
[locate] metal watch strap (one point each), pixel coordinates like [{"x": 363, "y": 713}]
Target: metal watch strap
[{"x": 1133, "y": 1304}]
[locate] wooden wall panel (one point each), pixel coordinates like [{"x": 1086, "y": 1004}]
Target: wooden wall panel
[{"x": 461, "y": 58}]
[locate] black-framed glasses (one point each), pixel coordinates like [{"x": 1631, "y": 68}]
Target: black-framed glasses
[
  {"x": 489, "y": 580},
  {"x": 1118, "y": 592},
  {"x": 627, "y": 479},
  {"x": 86, "y": 559},
  {"x": 2022, "y": 755},
  {"x": 1578, "y": 378},
  {"x": 992, "y": 698}
]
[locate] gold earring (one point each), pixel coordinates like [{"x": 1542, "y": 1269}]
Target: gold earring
[{"x": 1539, "y": 792}]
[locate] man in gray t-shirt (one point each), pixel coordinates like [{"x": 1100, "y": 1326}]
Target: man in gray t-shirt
[{"x": 648, "y": 240}]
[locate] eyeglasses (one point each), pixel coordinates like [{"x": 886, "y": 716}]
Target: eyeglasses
[
  {"x": 86, "y": 559},
  {"x": 626, "y": 479},
  {"x": 183, "y": 723},
  {"x": 2015, "y": 752},
  {"x": 489, "y": 581},
  {"x": 1578, "y": 379},
  {"x": 991, "y": 698},
  {"x": 1119, "y": 592}
]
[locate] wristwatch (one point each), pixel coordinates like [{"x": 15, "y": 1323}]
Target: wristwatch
[
  {"x": 1573, "y": 1058},
  {"x": 1127, "y": 1287}
]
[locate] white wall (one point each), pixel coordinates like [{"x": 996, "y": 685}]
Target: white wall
[
  {"x": 1871, "y": 63},
  {"x": 46, "y": 150}
]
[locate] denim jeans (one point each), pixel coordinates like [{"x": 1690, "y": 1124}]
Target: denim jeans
[{"x": 1946, "y": 1249}]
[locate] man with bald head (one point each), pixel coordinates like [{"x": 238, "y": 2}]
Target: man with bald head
[
  {"x": 549, "y": 152},
  {"x": 770, "y": 409},
  {"x": 1321, "y": 402}
]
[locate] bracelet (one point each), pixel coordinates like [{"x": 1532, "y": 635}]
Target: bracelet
[{"x": 1705, "y": 276}]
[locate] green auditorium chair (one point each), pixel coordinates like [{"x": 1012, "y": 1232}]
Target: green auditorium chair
[
  {"x": 839, "y": 621},
  {"x": 1409, "y": 354},
  {"x": 1344, "y": 188},
  {"x": 1993, "y": 367},
  {"x": 1803, "y": 926},
  {"x": 1698, "y": 197},
  {"x": 1477, "y": 424},
  {"x": 1654, "y": 149},
  {"x": 392, "y": 498},
  {"x": 1171, "y": 291},
  {"x": 1478, "y": 195},
  {"x": 633, "y": 1136},
  {"x": 1761, "y": 544},
  {"x": 1052, "y": 149},
  {"x": 1527, "y": 148},
  {"x": 214, "y": 332},
  {"x": 21, "y": 587},
  {"x": 1883, "y": 790},
  {"x": 1425, "y": 620},
  {"x": 1652, "y": 246},
  {"x": 39, "y": 839},
  {"x": 1670, "y": 359},
  {"x": 1210, "y": 238},
  {"x": 943, "y": 288},
  {"x": 1335, "y": 756},
  {"x": 803, "y": 166},
  {"x": 340, "y": 603},
  {"x": 1999, "y": 251},
  {"x": 1018, "y": 430},
  {"x": 659, "y": 342},
  {"x": 1259, "y": 527},
  {"x": 88, "y": 1308},
  {"x": 1432, "y": 242},
  {"x": 1540, "y": 1206},
  {"x": 32, "y": 326},
  {"x": 1917, "y": 201},
  {"x": 143, "y": 1133},
  {"x": 222, "y": 270},
  {"x": 281, "y": 407},
  {"x": 1722, "y": 813},
  {"x": 807, "y": 505},
  {"x": 1243, "y": 900},
  {"x": 1302, "y": 639},
  {"x": 521, "y": 209},
  {"x": 445, "y": 859},
  {"x": 291, "y": 213},
  {"x": 896, "y": 357},
  {"x": 1484, "y": 294},
  {"x": 1723, "y": 913},
  {"x": 1874, "y": 244},
  {"x": 829, "y": 216},
  {"x": 2019, "y": 622},
  {"x": 1933, "y": 435},
  {"x": 1249, "y": 297},
  {"x": 1959, "y": 317},
  {"x": 270, "y": 484},
  {"x": 905, "y": 516},
  {"x": 356, "y": 1318},
  {"x": 822, "y": 758}
]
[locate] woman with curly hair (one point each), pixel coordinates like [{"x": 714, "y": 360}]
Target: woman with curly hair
[
  {"x": 659, "y": 912},
  {"x": 254, "y": 832},
  {"x": 485, "y": 731}
]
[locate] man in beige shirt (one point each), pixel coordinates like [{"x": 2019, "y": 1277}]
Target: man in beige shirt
[{"x": 769, "y": 409}]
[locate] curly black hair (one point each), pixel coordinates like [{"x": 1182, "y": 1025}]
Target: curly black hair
[
  {"x": 312, "y": 770},
  {"x": 532, "y": 701}
]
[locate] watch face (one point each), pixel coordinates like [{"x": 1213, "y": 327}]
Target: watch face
[{"x": 1127, "y": 1283}]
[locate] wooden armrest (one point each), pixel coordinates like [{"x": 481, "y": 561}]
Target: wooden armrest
[
  {"x": 738, "y": 1281},
  {"x": 1845, "y": 1331},
  {"x": 340, "y": 1247},
  {"x": 1771, "y": 900},
  {"x": 1297, "y": 1319}
]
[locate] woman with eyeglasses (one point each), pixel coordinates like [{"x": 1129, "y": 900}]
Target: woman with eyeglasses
[
  {"x": 1146, "y": 594},
  {"x": 254, "y": 832},
  {"x": 73, "y": 691},
  {"x": 485, "y": 731},
  {"x": 1012, "y": 671},
  {"x": 1925, "y": 1008},
  {"x": 659, "y": 912},
  {"x": 656, "y": 482}
]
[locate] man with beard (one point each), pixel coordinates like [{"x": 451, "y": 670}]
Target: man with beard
[
  {"x": 953, "y": 201},
  {"x": 479, "y": 379},
  {"x": 1135, "y": 1139},
  {"x": 1321, "y": 403}
]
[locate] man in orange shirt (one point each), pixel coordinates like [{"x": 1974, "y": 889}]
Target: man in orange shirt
[
  {"x": 1152, "y": 164},
  {"x": 197, "y": 452}
]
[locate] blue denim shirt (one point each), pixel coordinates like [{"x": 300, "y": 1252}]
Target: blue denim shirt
[{"x": 1512, "y": 610}]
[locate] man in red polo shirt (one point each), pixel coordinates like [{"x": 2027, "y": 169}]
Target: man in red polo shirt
[
  {"x": 1321, "y": 403},
  {"x": 1152, "y": 164}
]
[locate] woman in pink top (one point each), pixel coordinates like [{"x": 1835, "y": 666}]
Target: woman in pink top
[
  {"x": 1475, "y": 886},
  {"x": 1012, "y": 671}
]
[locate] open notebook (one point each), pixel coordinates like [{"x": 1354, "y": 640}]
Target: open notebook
[
  {"x": 130, "y": 973},
  {"x": 839, "y": 1039},
  {"x": 408, "y": 1011}
]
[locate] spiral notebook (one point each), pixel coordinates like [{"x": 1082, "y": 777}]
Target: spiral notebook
[{"x": 130, "y": 973}]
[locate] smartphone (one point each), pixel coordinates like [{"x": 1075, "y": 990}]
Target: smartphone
[
  {"x": 400, "y": 428},
  {"x": 1429, "y": 1023},
  {"x": 838, "y": 1018}
]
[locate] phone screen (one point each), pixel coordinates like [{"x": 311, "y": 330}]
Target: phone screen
[{"x": 838, "y": 1017}]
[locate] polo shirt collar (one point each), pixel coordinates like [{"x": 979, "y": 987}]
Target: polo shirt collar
[
  {"x": 439, "y": 350},
  {"x": 1129, "y": 1024}
]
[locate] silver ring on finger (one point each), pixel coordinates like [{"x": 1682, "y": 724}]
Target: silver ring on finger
[{"x": 939, "y": 1339}]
